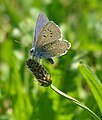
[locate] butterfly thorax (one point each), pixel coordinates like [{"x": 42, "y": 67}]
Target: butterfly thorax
[{"x": 38, "y": 53}]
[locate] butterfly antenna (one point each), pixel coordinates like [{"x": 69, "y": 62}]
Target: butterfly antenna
[{"x": 24, "y": 44}]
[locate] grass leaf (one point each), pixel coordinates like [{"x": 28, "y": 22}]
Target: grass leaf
[{"x": 93, "y": 82}]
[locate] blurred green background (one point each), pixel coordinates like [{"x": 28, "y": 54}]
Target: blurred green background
[{"x": 21, "y": 96}]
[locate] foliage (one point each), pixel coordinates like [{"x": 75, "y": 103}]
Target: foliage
[
  {"x": 21, "y": 97},
  {"x": 93, "y": 82}
]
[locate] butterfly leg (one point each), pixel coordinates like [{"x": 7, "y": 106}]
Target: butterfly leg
[
  {"x": 37, "y": 59},
  {"x": 50, "y": 60}
]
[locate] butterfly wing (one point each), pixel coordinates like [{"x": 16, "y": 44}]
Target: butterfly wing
[
  {"x": 42, "y": 20},
  {"x": 55, "y": 48},
  {"x": 49, "y": 33}
]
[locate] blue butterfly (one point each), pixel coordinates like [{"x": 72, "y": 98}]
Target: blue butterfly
[{"x": 48, "y": 41}]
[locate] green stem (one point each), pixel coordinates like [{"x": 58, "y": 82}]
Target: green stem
[{"x": 74, "y": 101}]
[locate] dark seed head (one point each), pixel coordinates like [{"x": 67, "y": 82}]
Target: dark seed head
[{"x": 39, "y": 72}]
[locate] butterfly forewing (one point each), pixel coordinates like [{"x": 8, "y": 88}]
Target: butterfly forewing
[
  {"x": 55, "y": 48},
  {"x": 49, "y": 33},
  {"x": 42, "y": 20}
]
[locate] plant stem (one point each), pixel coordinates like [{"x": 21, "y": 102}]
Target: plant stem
[{"x": 74, "y": 101}]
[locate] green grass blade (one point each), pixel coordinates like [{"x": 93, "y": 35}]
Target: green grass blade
[{"x": 93, "y": 82}]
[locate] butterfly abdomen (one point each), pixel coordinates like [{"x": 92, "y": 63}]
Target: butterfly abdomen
[{"x": 39, "y": 72}]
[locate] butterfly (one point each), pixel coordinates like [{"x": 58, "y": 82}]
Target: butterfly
[
  {"x": 40, "y": 72},
  {"x": 48, "y": 41}
]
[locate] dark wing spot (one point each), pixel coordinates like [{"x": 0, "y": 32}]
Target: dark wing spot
[
  {"x": 44, "y": 47},
  {"x": 50, "y": 35},
  {"x": 44, "y": 36},
  {"x": 60, "y": 44},
  {"x": 51, "y": 43},
  {"x": 48, "y": 29}
]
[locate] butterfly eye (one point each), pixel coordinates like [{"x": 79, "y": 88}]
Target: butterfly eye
[{"x": 31, "y": 51}]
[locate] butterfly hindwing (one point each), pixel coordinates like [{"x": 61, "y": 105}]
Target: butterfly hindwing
[{"x": 55, "y": 48}]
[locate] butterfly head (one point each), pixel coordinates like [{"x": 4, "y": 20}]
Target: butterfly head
[{"x": 32, "y": 51}]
